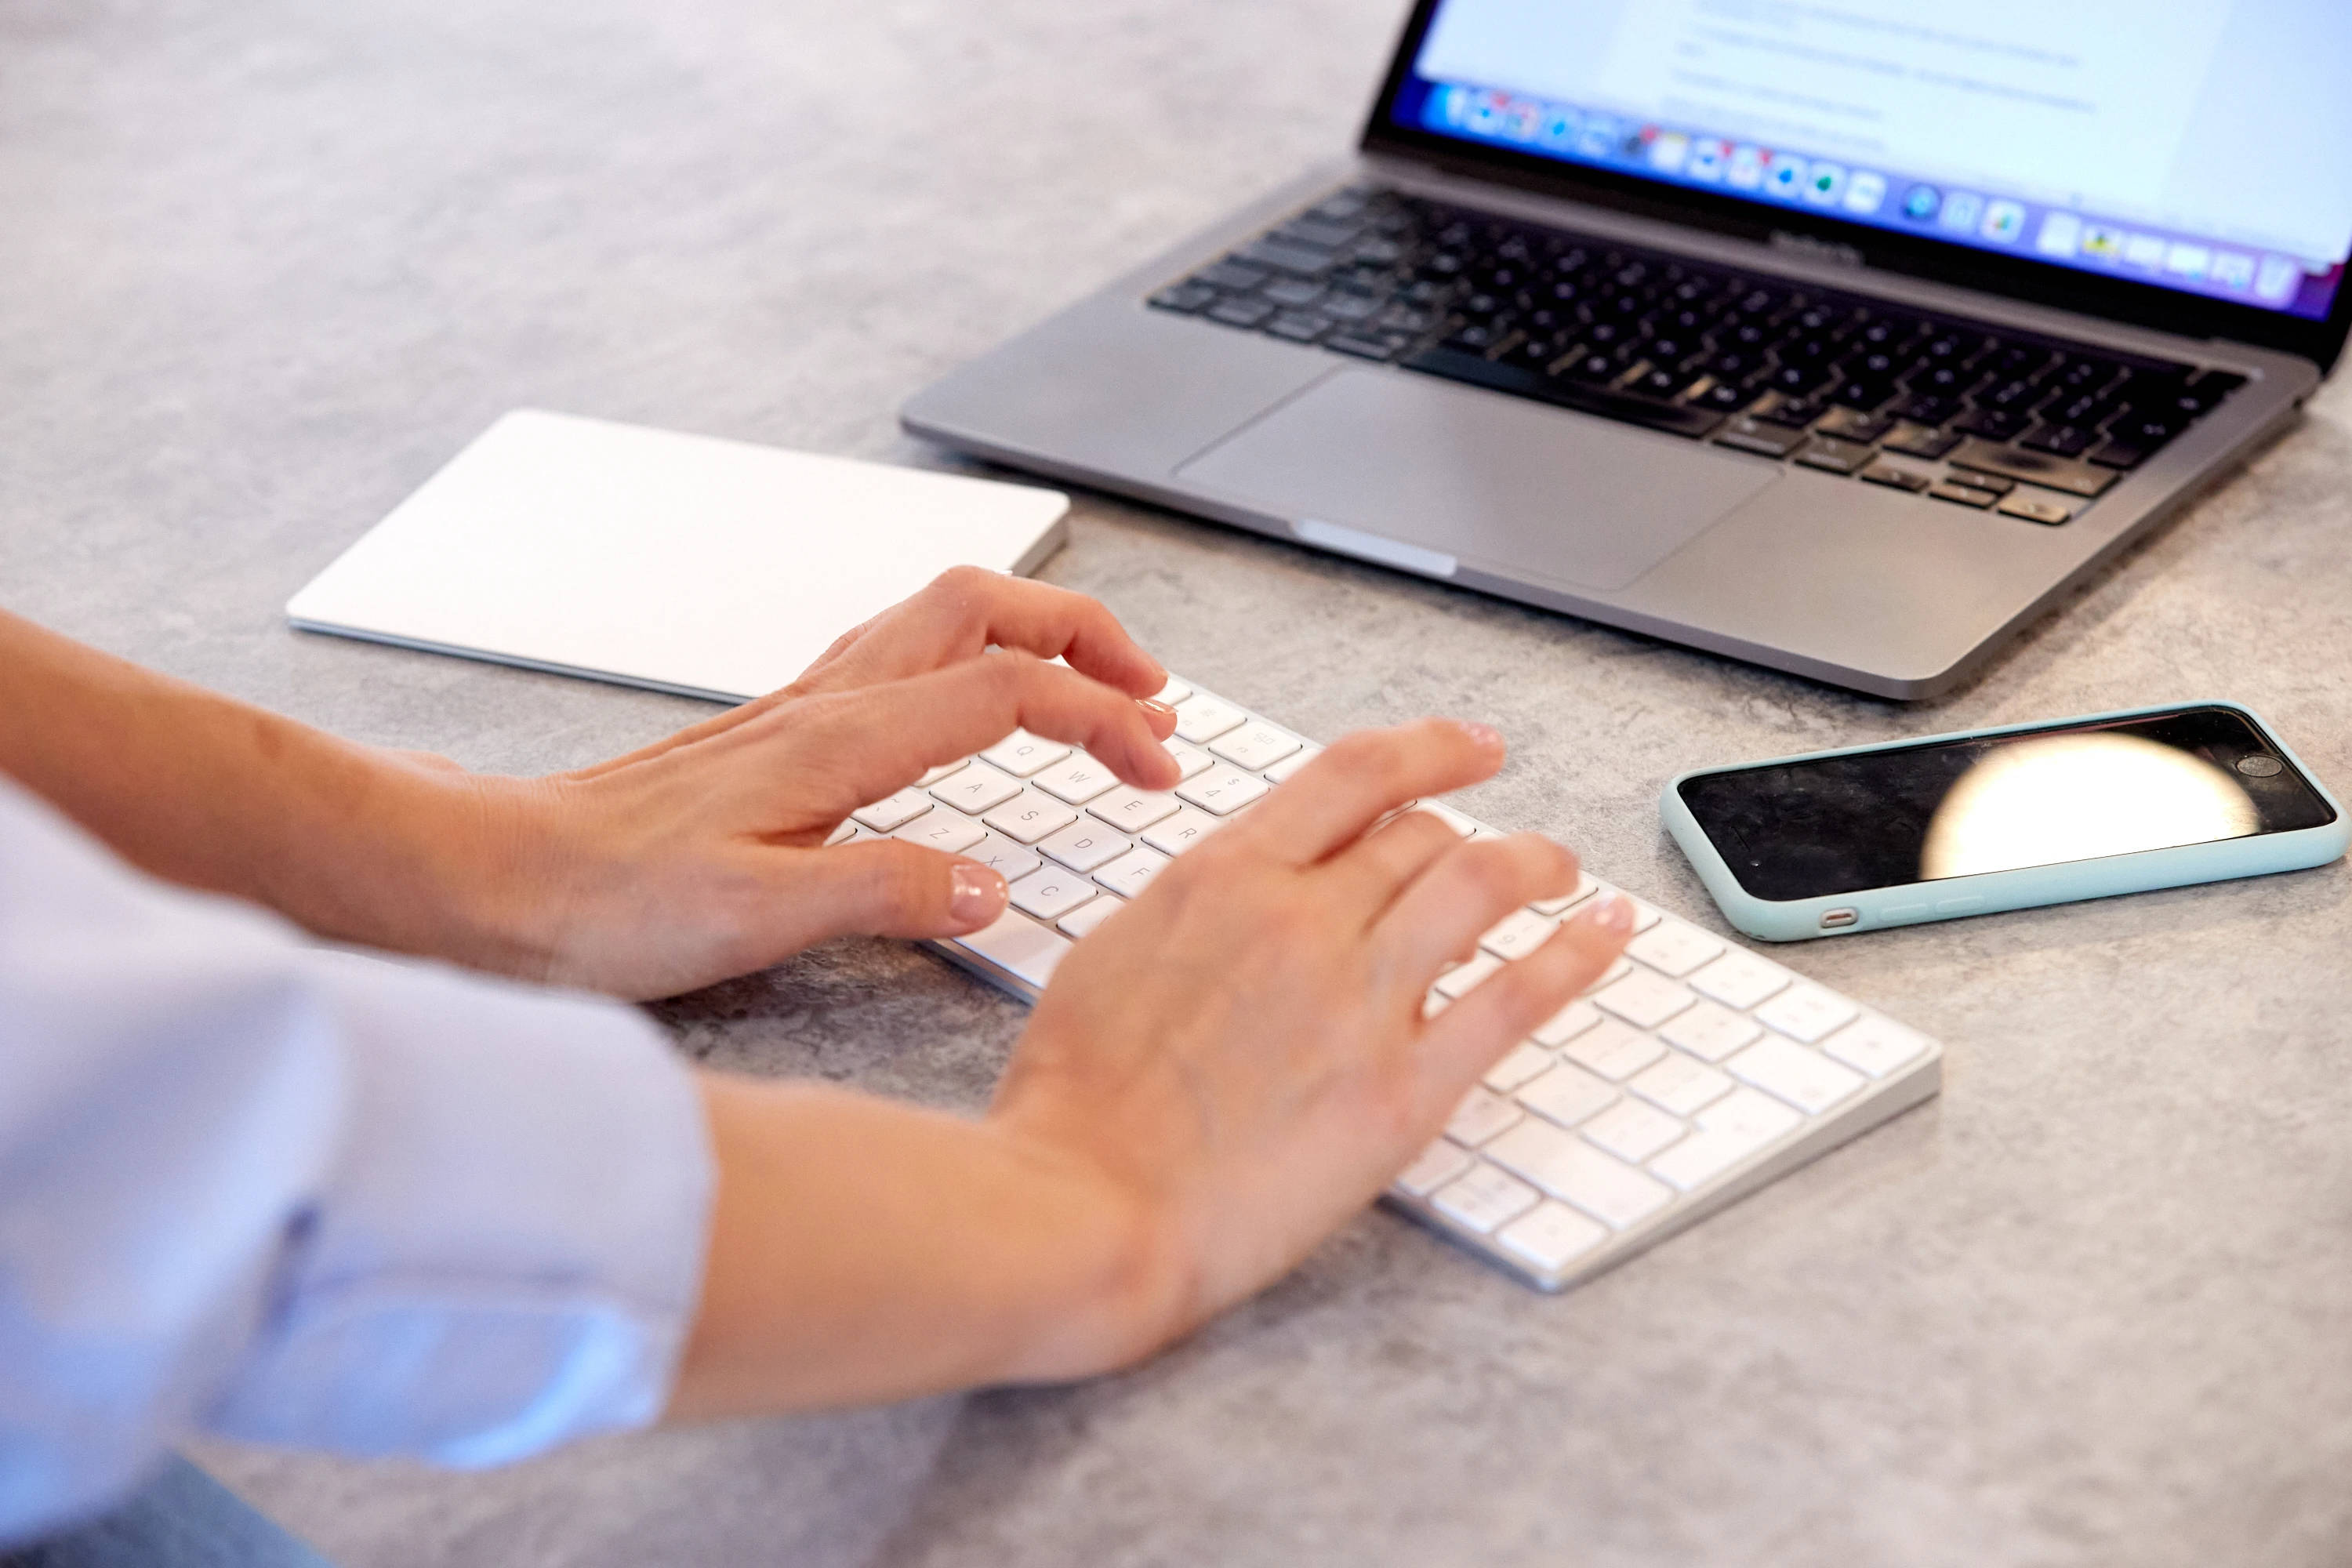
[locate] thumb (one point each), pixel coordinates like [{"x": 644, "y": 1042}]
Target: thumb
[{"x": 885, "y": 888}]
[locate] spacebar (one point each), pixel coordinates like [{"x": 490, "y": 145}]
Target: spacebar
[{"x": 1456, "y": 365}]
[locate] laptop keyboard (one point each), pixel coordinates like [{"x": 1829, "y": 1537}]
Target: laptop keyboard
[
  {"x": 1970, "y": 414},
  {"x": 1691, "y": 1073}
]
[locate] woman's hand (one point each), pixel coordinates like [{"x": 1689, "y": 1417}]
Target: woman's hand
[
  {"x": 703, "y": 857},
  {"x": 1243, "y": 1050},
  {"x": 1221, "y": 1075},
  {"x": 682, "y": 864}
]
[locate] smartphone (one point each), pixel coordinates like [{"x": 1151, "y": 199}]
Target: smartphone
[{"x": 1936, "y": 829}]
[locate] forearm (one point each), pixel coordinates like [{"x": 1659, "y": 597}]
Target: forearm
[
  {"x": 354, "y": 843},
  {"x": 863, "y": 1250}
]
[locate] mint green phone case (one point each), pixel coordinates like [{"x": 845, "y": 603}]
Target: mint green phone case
[{"x": 1957, "y": 898}]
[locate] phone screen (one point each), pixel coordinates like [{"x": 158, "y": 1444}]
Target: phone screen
[{"x": 1964, "y": 807}]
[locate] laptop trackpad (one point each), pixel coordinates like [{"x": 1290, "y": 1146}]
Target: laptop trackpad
[{"x": 1498, "y": 483}]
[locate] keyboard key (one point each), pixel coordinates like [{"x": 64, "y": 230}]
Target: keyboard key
[
  {"x": 1201, "y": 720},
  {"x": 1525, "y": 1064},
  {"x": 1711, "y": 1031},
  {"x": 1076, "y": 780},
  {"x": 846, "y": 834},
  {"x": 1082, "y": 921},
  {"x": 1085, "y": 846},
  {"x": 1739, "y": 979},
  {"x": 1833, "y": 456},
  {"x": 1172, "y": 693},
  {"x": 1644, "y": 999},
  {"x": 1566, "y": 1024},
  {"x": 1877, "y": 1046},
  {"x": 1517, "y": 934},
  {"x": 1463, "y": 978},
  {"x": 1484, "y": 1199},
  {"x": 1681, "y": 1085},
  {"x": 1614, "y": 1050},
  {"x": 1567, "y": 1095},
  {"x": 1051, "y": 893},
  {"x": 1021, "y": 947},
  {"x": 1030, "y": 815},
  {"x": 1806, "y": 1013},
  {"x": 1894, "y": 477},
  {"x": 1255, "y": 746},
  {"x": 977, "y": 788},
  {"x": 1480, "y": 1117},
  {"x": 1806, "y": 1080},
  {"x": 1601, "y": 1185},
  {"x": 2033, "y": 508},
  {"x": 1618, "y": 967},
  {"x": 1464, "y": 826},
  {"x": 1021, "y": 754},
  {"x": 1002, "y": 855},
  {"x": 1731, "y": 1130},
  {"x": 1178, "y": 833},
  {"x": 895, "y": 812},
  {"x": 1223, "y": 791},
  {"x": 1283, "y": 771},
  {"x": 1747, "y": 1110},
  {"x": 1552, "y": 1236},
  {"x": 1191, "y": 761},
  {"x": 939, "y": 828},
  {"x": 1964, "y": 495},
  {"x": 1750, "y": 434},
  {"x": 1674, "y": 949},
  {"x": 1632, "y": 1132},
  {"x": 1431, "y": 1169},
  {"x": 1133, "y": 810},
  {"x": 1703, "y": 1156},
  {"x": 1133, "y": 871},
  {"x": 1585, "y": 888},
  {"x": 1921, "y": 441}
]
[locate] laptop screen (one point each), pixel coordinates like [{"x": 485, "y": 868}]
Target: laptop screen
[{"x": 2200, "y": 145}]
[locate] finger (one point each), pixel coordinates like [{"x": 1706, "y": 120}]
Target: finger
[
  {"x": 884, "y": 887},
  {"x": 1469, "y": 888},
  {"x": 864, "y": 744},
  {"x": 965, "y": 612},
  {"x": 1369, "y": 874},
  {"x": 959, "y": 616},
  {"x": 1473, "y": 1034},
  {"x": 1363, "y": 777}
]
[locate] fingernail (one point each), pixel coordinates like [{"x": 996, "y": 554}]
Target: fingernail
[
  {"x": 1485, "y": 737},
  {"x": 1156, "y": 709},
  {"x": 976, "y": 893},
  {"x": 1612, "y": 913}
]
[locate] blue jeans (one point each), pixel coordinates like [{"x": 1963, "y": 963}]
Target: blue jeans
[{"x": 182, "y": 1518}]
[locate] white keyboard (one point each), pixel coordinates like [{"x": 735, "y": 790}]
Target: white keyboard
[{"x": 1691, "y": 1074}]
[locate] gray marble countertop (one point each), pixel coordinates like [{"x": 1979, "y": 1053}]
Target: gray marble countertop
[{"x": 268, "y": 264}]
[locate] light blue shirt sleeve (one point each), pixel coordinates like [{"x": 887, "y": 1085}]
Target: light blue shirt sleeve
[{"x": 259, "y": 1188}]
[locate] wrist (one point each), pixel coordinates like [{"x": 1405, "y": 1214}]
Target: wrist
[{"x": 1127, "y": 1287}]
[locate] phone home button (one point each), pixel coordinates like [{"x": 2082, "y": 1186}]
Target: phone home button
[{"x": 1958, "y": 906}]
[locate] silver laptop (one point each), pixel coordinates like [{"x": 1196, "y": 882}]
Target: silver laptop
[{"x": 1840, "y": 339}]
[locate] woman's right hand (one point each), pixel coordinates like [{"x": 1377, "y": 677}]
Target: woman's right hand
[{"x": 1242, "y": 1051}]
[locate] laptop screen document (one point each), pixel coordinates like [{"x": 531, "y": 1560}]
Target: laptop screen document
[{"x": 2199, "y": 146}]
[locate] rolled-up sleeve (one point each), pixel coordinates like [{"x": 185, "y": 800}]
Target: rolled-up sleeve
[{"x": 287, "y": 1193}]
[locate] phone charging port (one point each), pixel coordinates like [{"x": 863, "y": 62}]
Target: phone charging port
[{"x": 1838, "y": 920}]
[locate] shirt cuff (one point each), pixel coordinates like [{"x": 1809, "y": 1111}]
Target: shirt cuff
[{"x": 506, "y": 1251}]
